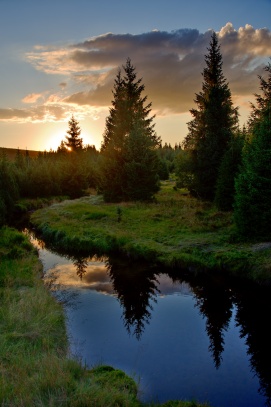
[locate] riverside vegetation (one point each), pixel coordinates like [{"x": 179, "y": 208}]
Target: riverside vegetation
[{"x": 176, "y": 230}]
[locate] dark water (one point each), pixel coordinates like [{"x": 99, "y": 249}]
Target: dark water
[{"x": 180, "y": 337}]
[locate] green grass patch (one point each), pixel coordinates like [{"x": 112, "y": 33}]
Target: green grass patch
[{"x": 175, "y": 230}]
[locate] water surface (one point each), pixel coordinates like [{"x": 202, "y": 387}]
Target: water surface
[{"x": 180, "y": 337}]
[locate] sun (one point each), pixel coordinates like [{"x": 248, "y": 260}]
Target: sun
[
  {"x": 51, "y": 136},
  {"x": 54, "y": 141}
]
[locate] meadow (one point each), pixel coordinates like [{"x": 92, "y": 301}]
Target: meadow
[{"x": 176, "y": 230}]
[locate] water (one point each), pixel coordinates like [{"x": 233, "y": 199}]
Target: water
[{"x": 203, "y": 338}]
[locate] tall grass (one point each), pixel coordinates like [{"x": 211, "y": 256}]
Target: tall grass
[{"x": 35, "y": 369}]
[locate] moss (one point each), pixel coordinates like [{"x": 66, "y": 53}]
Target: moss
[{"x": 110, "y": 377}]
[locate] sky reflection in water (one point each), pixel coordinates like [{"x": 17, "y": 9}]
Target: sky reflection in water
[{"x": 179, "y": 339}]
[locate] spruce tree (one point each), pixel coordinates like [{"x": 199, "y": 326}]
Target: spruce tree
[
  {"x": 252, "y": 210},
  {"x": 141, "y": 166},
  {"x": 229, "y": 167},
  {"x": 212, "y": 126},
  {"x": 73, "y": 141},
  {"x": 128, "y": 124}
]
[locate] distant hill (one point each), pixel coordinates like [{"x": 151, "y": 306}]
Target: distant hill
[{"x": 11, "y": 152}]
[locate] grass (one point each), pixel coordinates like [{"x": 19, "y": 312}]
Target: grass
[
  {"x": 176, "y": 231},
  {"x": 35, "y": 366}
]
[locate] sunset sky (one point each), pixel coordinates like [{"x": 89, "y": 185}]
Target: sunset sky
[{"x": 60, "y": 58}]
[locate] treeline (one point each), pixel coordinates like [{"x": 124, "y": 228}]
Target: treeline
[
  {"x": 59, "y": 173},
  {"x": 48, "y": 175},
  {"x": 217, "y": 160}
]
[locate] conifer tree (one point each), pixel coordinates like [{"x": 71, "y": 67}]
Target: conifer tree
[
  {"x": 128, "y": 124},
  {"x": 252, "y": 209},
  {"x": 229, "y": 167},
  {"x": 212, "y": 126},
  {"x": 141, "y": 166},
  {"x": 73, "y": 141},
  {"x": 263, "y": 100}
]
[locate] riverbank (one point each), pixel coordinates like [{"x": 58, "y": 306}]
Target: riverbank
[
  {"x": 36, "y": 368},
  {"x": 176, "y": 231}
]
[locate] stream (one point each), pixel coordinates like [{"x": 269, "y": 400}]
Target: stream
[{"x": 179, "y": 336}]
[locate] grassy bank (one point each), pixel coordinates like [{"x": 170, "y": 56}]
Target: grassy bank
[
  {"x": 35, "y": 367},
  {"x": 176, "y": 230},
  {"x": 34, "y": 362}
]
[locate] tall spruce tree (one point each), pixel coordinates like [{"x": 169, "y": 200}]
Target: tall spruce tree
[
  {"x": 73, "y": 141},
  {"x": 212, "y": 126},
  {"x": 127, "y": 125},
  {"x": 252, "y": 209},
  {"x": 229, "y": 168}
]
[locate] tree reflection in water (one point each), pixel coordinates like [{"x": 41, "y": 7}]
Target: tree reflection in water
[
  {"x": 136, "y": 285},
  {"x": 81, "y": 265},
  {"x": 215, "y": 303},
  {"x": 253, "y": 311}
]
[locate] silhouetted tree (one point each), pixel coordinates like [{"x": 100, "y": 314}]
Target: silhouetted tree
[
  {"x": 128, "y": 126},
  {"x": 73, "y": 141},
  {"x": 62, "y": 149},
  {"x": 213, "y": 124}
]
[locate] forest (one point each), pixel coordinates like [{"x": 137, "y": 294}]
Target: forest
[{"x": 217, "y": 161}]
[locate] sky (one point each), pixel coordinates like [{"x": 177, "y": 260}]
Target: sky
[{"x": 60, "y": 58}]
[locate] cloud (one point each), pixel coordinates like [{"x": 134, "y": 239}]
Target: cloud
[
  {"x": 170, "y": 64},
  {"x": 32, "y": 98},
  {"x": 49, "y": 112},
  {"x": 35, "y": 114}
]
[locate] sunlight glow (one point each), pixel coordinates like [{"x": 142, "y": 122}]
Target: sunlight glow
[{"x": 54, "y": 141}]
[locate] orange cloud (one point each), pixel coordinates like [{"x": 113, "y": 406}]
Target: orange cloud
[
  {"x": 32, "y": 98},
  {"x": 170, "y": 64}
]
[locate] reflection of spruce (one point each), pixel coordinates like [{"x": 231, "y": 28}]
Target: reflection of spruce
[
  {"x": 215, "y": 303},
  {"x": 253, "y": 310},
  {"x": 136, "y": 287},
  {"x": 81, "y": 266}
]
